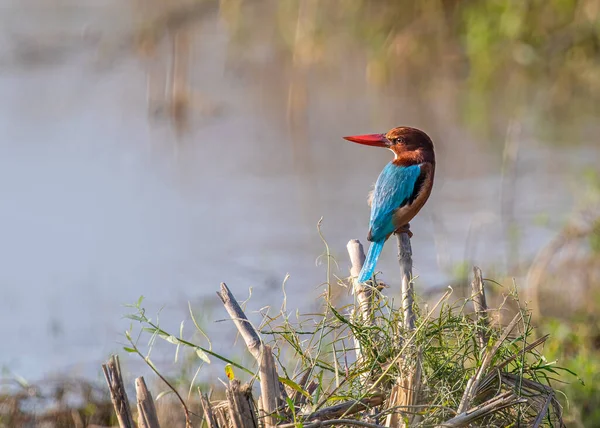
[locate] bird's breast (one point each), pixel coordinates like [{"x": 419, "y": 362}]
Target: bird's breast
[{"x": 407, "y": 212}]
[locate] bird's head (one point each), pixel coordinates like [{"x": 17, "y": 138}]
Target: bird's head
[{"x": 406, "y": 143}]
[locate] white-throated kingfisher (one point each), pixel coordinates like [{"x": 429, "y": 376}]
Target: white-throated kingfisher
[{"x": 401, "y": 189}]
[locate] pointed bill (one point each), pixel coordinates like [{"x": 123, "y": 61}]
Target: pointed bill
[{"x": 377, "y": 140}]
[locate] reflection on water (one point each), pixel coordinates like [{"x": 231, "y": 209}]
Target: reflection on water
[{"x": 153, "y": 152}]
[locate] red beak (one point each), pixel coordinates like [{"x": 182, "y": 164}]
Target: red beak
[{"x": 377, "y": 140}]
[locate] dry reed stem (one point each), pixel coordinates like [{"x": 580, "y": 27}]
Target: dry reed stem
[
  {"x": 334, "y": 422},
  {"x": 241, "y": 409},
  {"x": 542, "y": 414},
  {"x": 269, "y": 380},
  {"x": 514, "y": 381},
  {"x": 246, "y": 329},
  {"x": 362, "y": 291},
  {"x": 269, "y": 385},
  {"x": 118, "y": 396},
  {"x": 480, "y": 304},
  {"x": 407, "y": 388},
  {"x": 221, "y": 410},
  {"x": 405, "y": 393},
  {"x": 209, "y": 416},
  {"x": 364, "y": 296},
  {"x": 146, "y": 410},
  {"x": 493, "y": 405},
  {"x": 408, "y": 293},
  {"x": 297, "y": 397},
  {"x": 345, "y": 409}
]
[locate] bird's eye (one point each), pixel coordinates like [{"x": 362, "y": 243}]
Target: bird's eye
[{"x": 397, "y": 140}]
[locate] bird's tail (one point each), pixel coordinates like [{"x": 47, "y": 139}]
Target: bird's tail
[{"x": 371, "y": 261}]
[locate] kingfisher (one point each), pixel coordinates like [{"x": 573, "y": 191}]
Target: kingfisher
[{"x": 401, "y": 190}]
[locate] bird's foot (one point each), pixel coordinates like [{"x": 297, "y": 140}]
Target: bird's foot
[{"x": 404, "y": 229}]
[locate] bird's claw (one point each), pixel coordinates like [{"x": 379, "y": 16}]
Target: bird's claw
[{"x": 405, "y": 229}]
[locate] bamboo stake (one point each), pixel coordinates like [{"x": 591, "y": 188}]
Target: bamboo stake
[
  {"x": 112, "y": 373},
  {"x": 146, "y": 411}
]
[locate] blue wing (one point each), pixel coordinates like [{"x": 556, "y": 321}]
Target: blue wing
[{"x": 393, "y": 189}]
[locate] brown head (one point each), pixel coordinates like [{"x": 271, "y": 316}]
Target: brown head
[{"x": 410, "y": 145}]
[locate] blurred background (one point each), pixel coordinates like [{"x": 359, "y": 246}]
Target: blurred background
[{"x": 157, "y": 148}]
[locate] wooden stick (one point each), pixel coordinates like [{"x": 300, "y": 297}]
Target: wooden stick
[
  {"x": 208, "y": 412},
  {"x": 480, "y": 304},
  {"x": 408, "y": 296},
  {"x": 112, "y": 373},
  {"x": 146, "y": 410}
]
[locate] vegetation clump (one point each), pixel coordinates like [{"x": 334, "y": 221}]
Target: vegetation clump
[{"x": 359, "y": 364}]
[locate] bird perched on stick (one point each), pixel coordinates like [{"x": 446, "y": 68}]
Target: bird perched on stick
[{"x": 401, "y": 189}]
